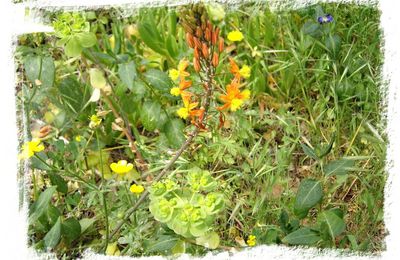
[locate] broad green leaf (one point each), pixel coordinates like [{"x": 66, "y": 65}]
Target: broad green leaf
[
  {"x": 334, "y": 224},
  {"x": 163, "y": 243},
  {"x": 158, "y": 79},
  {"x": 52, "y": 214},
  {"x": 338, "y": 167},
  {"x": 174, "y": 132},
  {"x": 73, "y": 96},
  {"x": 179, "y": 248},
  {"x": 127, "y": 74},
  {"x": 308, "y": 195},
  {"x": 59, "y": 182},
  {"x": 53, "y": 237},
  {"x": 302, "y": 236},
  {"x": 71, "y": 229},
  {"x": 172, "y": 46},
  {"x": 73, "y": 48},
  {"x": 99, "y": 57},
  {"x": 40, "y": 206},
  {"x": 86, "y": 223},
  {"x": 86, "y": 39},
  {"x": 151, "y": 37},
  {"x": 40, "y": 68},
  {"x": 150, "y": 115},
  {"x": 97, "y": 79},
  {"x": 209, "y": 240},
  {"x": 309, "y": 151}
]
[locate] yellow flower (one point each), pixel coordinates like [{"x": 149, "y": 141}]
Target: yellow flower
[
  {"x": 94, "y": 121},
  {"x": 234, "y": 98},
  {"x": 251, "y": 240},
  {"x": 112, "y": 249},
  {"x": 245, "y": 71},
  {"x": 235, "y": 36},
  {"x": 121, "y": 167},
  {"x": 185, "y": 111},
  {"x": 136, "y": 189},
  {"x": 175, "y": 91},
  {"x": 30, "y": 148},
  {"x": 78, "y": 138},
  {"x": 174, "y": 74},
  {"x": 235, "y": 104}
]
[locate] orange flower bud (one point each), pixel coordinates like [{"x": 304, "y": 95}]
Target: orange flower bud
[
  {"x": 204, "y": 50},
  {"x": 196, "y": 53},
  {"x": 215, "y": 36},
  {"x": 44, "y": 131},
  {"x": 203, "y": 26},
  {"x": 197, "y": 42},
  {"x": 215, "y": 59},
  {"x": 208, "y": 34},
  {"x": 196, "y": 64},
  {"x": 199, "y": 32},
  {"x": 221, "y": 44},
  {"x": 209, "y": 26},
  {"x": 189, "y": 39}
]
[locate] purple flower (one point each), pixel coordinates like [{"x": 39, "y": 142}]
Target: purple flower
[{"x": 325, "y": 19}]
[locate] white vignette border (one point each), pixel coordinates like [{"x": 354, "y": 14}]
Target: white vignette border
[{"x": 13, "y": 239}]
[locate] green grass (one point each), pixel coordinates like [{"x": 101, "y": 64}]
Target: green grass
[{"x": 312, "y": 86}]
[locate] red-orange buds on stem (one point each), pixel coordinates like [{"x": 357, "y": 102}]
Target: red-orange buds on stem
[
  {"x": 197, "y": 42},
  {"x": 196, "y": 64},
  {"x": 215, "y": 59},
  {"x": 207, "y": 35},
  {"x": 221, "y": 44},
  {"x": 189, "y": 39},
  {"x": 199, "y": 32},
  {"x": 215, "y": 36},
  {"x": 196, "y": 53},
  {"x": 204, "y": 50}
]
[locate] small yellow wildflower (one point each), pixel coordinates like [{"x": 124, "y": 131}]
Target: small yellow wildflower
[
  {"x": 175, "y": 91},
  {"x": 174, "y": 74},
  {"x": 235, "y": 104},
  {"x": 30, "y": 148},
  {"x": 183, "y": 112},
  {"x": 112, "y": 249},
  {"x": 251, "y": 240},
  {"x": 136, "y": 189},
  {"x": 235, "y": 36},
  {"x": 245, "y": 71},
  {"x": 188, "y": 107},
  {"x": 121, "y": 167},
  {"x": 78, "y": 138},
  {"x": 94, "y": 121}
]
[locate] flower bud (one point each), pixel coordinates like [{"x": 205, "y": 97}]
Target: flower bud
[
  {"x": 197, "y": 42},
  {"x": 204, "y": 50},
  {"x": 221, "y": 44},
  {"x": 196, "y": 53},
  {"x": 215, "y": 36},
  {"x": 199, "y": 32},
  {"x": 196, "y": 64},
  {"x": 215, "y": 60},
  {"x": 207, "y": 35},
  {"x": 189, "y": 39}
]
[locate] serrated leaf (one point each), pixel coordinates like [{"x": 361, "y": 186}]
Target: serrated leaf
[
  {"x": 308, "y": 195},
  {"x": 302, "y": 236},
  {"x": 338, "y": 167},
  {"x": 127, "y": 74},
  {"x": 53, "y": 237}
]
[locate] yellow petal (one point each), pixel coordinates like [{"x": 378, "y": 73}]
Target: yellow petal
[
  {"x": 175, "y": 91},
  {"x": 183, "y": 112},
  {"x": 136, "y": 188},
  {"x": 173, "y": 74},
  {"x": 235, "y": 36}
]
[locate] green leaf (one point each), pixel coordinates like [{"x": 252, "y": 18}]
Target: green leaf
[
  {"x": 308, "y": 195},
  {"x": 86, "y": 39},
  {"x": 309, "y": 151},
  {"x": 73, "y": 48},
  {"x": 86, "y": 223},
  {"x": 338, "y": 167},
  {"x": 163, "y": 243},
  {"x": 53, "y": 237},
  {"x": 302, "y": 236},
  {"x": 150, "y": 115},
  {"x": 59, "y": 182},
  {"x": 209, "y": 240},
  {"x": 97, "y": 79},
  {"x": 151, "y": 37},
  {"x": 172, "y": 46},
  {"x": 179, "y": 248},
  {"x": 158, "y": 79},
  {"x": 174, "y": 132},
  {"x": 334, "y": 225},
  {"x": 40, "y": 206},
  {"x": 40, "y": 68},
  {"x": 73, "y": 96},
  {"x": 127, "y": 74},
  {"x": 71, "y": 229}
]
